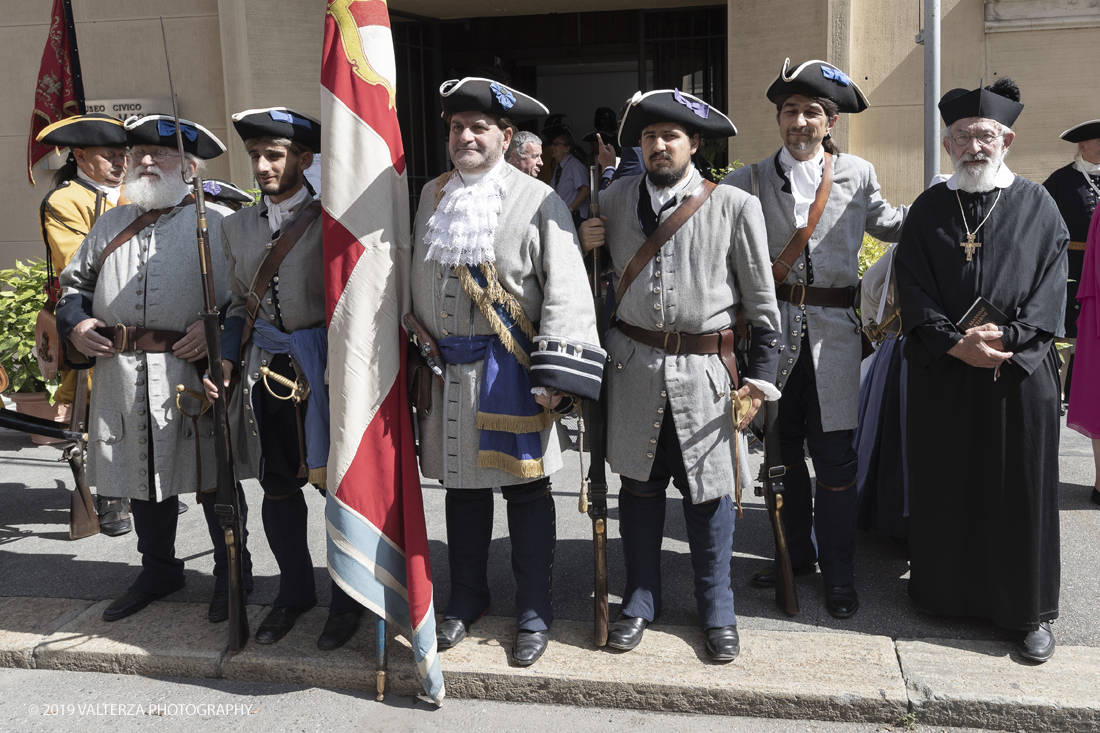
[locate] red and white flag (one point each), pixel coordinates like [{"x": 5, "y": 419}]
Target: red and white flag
[{"x": 377, "y": 540}]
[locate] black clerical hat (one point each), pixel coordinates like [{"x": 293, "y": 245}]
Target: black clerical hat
[
  {"x": 1080, "y": 133},
  {"x": 225, "y": 191},
  {"x": 999, "y": 101},
  {"x": 474, "y": 94},
  {"x": 281, "y": 122},
  {"x": 671, "y": 105},
  {"x": 818, "y": 79},
  {"x": 160, "y": 130},
  {"x": 84, "y": 131}
]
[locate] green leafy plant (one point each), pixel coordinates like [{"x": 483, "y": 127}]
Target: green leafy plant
[
  {"x": 720, "y": 173},
  {"x": 870, "y": 252},
  {"x": 22, "y": 296}
]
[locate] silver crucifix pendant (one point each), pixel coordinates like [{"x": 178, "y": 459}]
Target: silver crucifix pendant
[{"x": 970, "y": 246}]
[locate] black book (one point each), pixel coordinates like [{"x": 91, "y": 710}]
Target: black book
[{"x": 981, "y": 313}]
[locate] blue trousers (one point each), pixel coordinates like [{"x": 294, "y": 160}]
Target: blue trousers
[
  {"x": 532, "y": 528},
  {"x": 710, "y": 528},
  {"x": 820, "y": 528}
]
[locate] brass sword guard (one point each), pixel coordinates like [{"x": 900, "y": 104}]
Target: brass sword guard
[
  {"x": 299, "y": 388},
  {"x": 182, "y": 390}
]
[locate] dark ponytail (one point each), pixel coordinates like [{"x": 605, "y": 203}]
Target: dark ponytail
[
  {"x": 66, "y": 172},
  {"x": 830, "y": 146}
]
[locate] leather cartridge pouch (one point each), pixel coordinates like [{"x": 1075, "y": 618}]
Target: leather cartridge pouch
[
  {"x": 47, "y": 346},
  {"x": 418, "y": 380}
]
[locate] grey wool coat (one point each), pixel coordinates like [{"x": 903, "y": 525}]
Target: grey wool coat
[
  {"x": 538, "y": 261},
  {"x": 715, "y": 263},
  {"x": 293, "y": 300},
  {"x": 151, "y": 281},
  {"x": 830, "y": 260}
]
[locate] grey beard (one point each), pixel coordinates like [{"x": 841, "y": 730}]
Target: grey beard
[
  {"x": 981, "y": 180},
  {"x": 799, "y": 147},
  {"x": 669, "y": 177},
  {"x": 155, "y": 194}
]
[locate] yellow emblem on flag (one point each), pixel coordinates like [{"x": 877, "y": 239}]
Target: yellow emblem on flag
[{"x": 360, "y": 22}]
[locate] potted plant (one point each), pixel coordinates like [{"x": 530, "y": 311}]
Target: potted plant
[{"x": 22, "y": 296}]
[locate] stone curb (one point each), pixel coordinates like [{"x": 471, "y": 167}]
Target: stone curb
[{"x": 800, "y": 675}]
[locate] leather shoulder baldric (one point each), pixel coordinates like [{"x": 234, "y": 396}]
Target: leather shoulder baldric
[{"x": 136, "y": 226}]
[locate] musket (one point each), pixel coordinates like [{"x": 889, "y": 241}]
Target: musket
[
  {"x": 594, "y": 492},
  {"x": 226, "y": 502},
  {"x": 771, "y": 488},
  {"x": 83, "y": 515}
]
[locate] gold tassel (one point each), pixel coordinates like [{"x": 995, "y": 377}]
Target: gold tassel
[
  {"x": 319, "y": 476},
  {"x": 530, "y": 468},
  {"x": 440, "y": 184},
  {"x": 515, "y": 424},
  {"x": 482, "y": 299}
]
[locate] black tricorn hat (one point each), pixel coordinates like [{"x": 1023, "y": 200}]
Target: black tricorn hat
[
  {"x": 671, "y": 105},
  {"x": 160, "y": 130},
  {"x": 474, "y": 94},
  {"x": 605, "y": 123},
  {"x": 281, "y": 122},
  {"x": 84, "y": 131},
  {"x": 999, "y": 101},
  {"x": 1080, "y": 133},
  {"x": 818, "y": 79},
  {"x": 220, "y": 190}
]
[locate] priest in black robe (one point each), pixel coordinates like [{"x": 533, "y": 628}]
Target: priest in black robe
[
  {"x": 1076, "y": 190},
  {"x": 983, "y": 417}
]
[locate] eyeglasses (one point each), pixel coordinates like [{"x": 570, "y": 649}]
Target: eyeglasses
[
  {"x": 159, "y": 155},
  {"x": 985, "y": 139}
]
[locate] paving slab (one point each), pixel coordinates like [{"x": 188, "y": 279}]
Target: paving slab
[
  {"x": 166, "y": 640},
  {"x": 988, "y": 684},
  {"x": 24, "y": 622},
  {"x": 296, "y": 660}
]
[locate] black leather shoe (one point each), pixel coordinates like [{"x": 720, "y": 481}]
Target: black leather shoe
[
  {"x": 626, "y": 632},
  {"x": 339, "y": 629},
  {"x": 219, "y": 606},
  {"x": 529, "y": 647},
  {"x": 133, "y": 601},
  {"x": 182, "y": 507},
  {"x": 279, "y": 622},
  {"x": 723, "y": 643},
  {"x": 765, "y": 576},
  {"x": 114, "y": 519},
  {"x": 1095, "y": 496},
  {"x": 1038, "y": 645},
  {"x": 451, "y": 632},
  {"x": 841, "y": 600}
]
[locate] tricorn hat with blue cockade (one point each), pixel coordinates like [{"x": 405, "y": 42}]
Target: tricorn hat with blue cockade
[
  {"x": 279, "y": 122},
  {"x": 999, "y": 101},
  {"x": 85, "y": 131},
  {"x": 818, "y": 79},
  {"x": 474, "y": 94},
  {"x": 160, "y": 130},
  {"x": 671, "y": 105}
]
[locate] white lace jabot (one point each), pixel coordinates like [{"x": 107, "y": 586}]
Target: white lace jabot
[
  {"x": 805, "y": 177},
  {"x": 461, "y": 230}
]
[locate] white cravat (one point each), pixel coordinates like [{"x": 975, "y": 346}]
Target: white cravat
[
  {"x": 276, "y": 213},
  {"x": 805, "y": 177},
  {"x": 658, "y": 197},
  {"x": 111, "y": 193},
  {"x": 461, "y": 230},
  {"x": 1090, "y": 169}
]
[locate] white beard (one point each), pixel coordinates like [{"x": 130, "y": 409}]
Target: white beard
[
  {"x": 977, "y": 179},
  {"x": 154, "y": 193}
]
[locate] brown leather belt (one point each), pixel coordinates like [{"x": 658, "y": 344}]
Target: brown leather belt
[
  {"x": 132, "y": 338},
  {"x": 1078, "y": 246},
  {"x": 675, "y": 342},
  {"x": 808, "y": 295}
]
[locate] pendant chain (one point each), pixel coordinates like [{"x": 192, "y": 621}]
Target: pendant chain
[{"x": 971, "y": 234}]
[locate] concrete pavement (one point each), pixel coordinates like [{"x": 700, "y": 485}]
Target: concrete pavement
[{"x": 884, "y": 663}]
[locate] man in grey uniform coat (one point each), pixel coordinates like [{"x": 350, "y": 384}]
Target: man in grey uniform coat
[
  {"x": 670, "y": 408},
  {"x": 498, "y": 281},
  {"x": 134, "y": 312},
  {"x": 816, "y": 292},
  {"x": 281, "y": 327}
]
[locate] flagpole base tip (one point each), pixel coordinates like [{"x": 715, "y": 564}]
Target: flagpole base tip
[{"x": 381, "y": 683}]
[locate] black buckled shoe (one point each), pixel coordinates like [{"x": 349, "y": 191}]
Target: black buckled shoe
[
  {"x": 626, "y": 632},
  {"x": 114, "y": 517},
  {"x": 841, "y": 600},
  {"x": 219, "y": 607},
  {"x": 338, "y": 630},
  {"x": 451, "y": 632},
  {"x": 182, "y": 508},
  {"x": 279, "y": 622},
  {"x": 1038, "y": 645},
  {"x": 529, "y": 647},
  {"x": 133, "y": 601},
  {"x": 1095, "y": 496},
  {"x": 723, "y": 643},
  {"x": 765, "y": 576}
]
